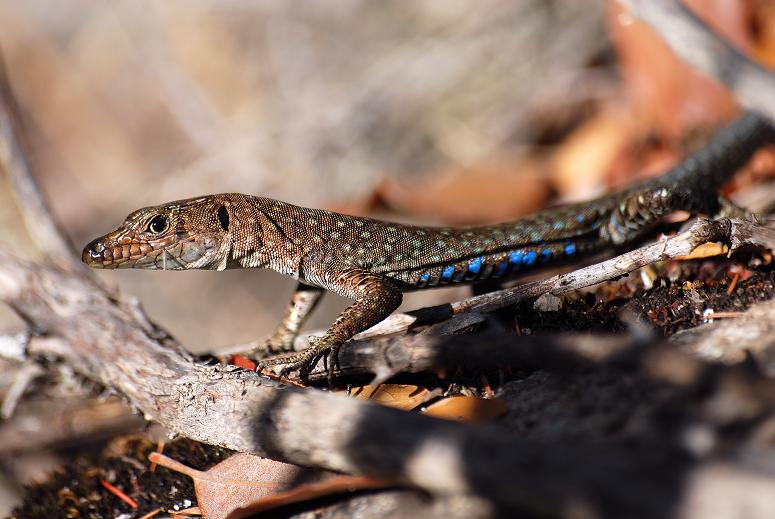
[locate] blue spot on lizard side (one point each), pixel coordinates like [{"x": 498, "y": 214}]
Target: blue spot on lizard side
[
  {"x": 516, "y": 258},
  {"x": 475, "y": 265}
]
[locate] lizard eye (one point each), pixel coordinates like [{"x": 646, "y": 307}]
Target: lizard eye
[{"x": 158, "y": 224}]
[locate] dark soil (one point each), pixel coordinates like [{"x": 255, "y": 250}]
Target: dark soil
[{"x": 77, "y": 491}]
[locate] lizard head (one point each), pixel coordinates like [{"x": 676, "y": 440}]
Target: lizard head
[{"x": 186, "y": 234}]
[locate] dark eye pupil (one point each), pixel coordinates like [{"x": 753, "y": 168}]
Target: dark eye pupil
[{"x": 158, "y": 224}]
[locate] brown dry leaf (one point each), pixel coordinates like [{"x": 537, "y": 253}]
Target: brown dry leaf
[
  {"x": 194, "y": 511},
  {"x": 706, "y": 250},
  {"x": 581, "y": 164},
  {"x": 661, "y": 85},
  {"x": 400, "y": 396},
  {"x": 243, "y": 484},
  {"x": 765, "y": 22},
  {"x": 500, "y": 190},
  {"x": 468, "y": 409}
]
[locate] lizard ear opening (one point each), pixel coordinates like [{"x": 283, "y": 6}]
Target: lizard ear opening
[{"x": 223, "y": 217}]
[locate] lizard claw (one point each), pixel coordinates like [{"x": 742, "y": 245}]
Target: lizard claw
[
  {"x": 332, "y": 363},
  {"x": 306, "y": 360}
]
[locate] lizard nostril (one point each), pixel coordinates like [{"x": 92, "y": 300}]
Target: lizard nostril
[{"x": 95, "y": 249}]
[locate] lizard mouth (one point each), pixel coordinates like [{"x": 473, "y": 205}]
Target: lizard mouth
[
  {"x": 99, "y": 254},
  {"x": 167, "y": 254}
]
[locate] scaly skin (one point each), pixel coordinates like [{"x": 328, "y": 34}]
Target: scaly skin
[{"x": 373, "y": 262}]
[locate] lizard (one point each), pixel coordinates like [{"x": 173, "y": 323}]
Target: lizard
[{"x": 373, "y": 262}]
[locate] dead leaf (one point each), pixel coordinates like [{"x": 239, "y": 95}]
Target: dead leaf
[
  {"x": 470, "y": 409},
  {"x": 242, "y": 362},
  {"x": 501, "y": 189},
  {"x": 765, "y": 14},
  {"x": 243, "y": 484},
  {"x": 674, "y": 95},
  {"x": 706, "y": 250},
  {"x": 580, "y": 166},
  {"x": 400, "y": 396}
]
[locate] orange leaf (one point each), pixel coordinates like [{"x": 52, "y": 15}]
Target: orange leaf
[
  {"x": 467, "y": 409},
  {"x": 243, "y": 484},
  {"x": 706, "y": 250},
  {"x": 661, "y": 85},
  {"x": 580, "y": 165},
  {"x": 501, "y": 189},
  {"x": 400, "y": 396},
  {"x": 765, "y": 14},
  {"x": 242, "y": 362}
]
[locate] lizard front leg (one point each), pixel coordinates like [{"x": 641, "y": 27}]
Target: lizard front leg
[
  {"x": 375, "y": 297},
  {"x": 303, "y": 301}
]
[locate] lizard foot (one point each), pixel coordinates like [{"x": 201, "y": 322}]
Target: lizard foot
[{"x": 305, "y": 361}]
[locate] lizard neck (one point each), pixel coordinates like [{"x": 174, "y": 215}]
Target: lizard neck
[{"x": 258, "y": 240}]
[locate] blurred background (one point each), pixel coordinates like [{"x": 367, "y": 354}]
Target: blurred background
[{"x": 434, "y": 112}]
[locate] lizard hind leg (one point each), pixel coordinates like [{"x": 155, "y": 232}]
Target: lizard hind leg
[
  {"x": 303, "y": 301},
  {"x": 375, "y": 299}
]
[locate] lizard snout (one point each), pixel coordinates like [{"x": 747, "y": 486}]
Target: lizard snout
[{"x": 93, "y": 253}]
